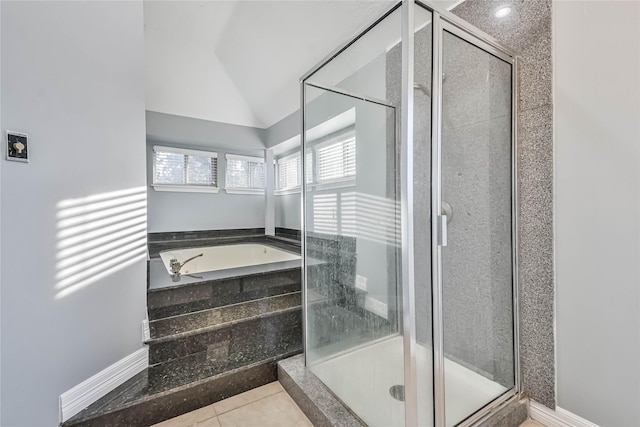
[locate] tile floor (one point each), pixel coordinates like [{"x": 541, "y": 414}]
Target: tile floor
[
  {"x": 266, "y": 406},
  {"x": 531, "y": 423}
]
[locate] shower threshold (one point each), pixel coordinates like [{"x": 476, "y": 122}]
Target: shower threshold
[{"x": 362, "y": 379}]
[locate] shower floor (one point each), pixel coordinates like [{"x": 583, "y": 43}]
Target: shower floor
[{"x": 362, "y": 379}]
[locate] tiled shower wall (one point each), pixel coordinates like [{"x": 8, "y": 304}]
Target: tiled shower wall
[{"x": 528, "y": 30}]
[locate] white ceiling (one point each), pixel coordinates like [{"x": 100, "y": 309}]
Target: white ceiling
[{"x": 239, "y": 61}]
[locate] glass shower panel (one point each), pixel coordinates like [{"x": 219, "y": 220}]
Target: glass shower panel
[
  {"x": 365, "y": 67},
  {"x": 352, "y": 243},
  {"x": 477, "y": 276}
]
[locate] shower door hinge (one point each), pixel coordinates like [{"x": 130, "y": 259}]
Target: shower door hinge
[{"x": 442, "y": 230}]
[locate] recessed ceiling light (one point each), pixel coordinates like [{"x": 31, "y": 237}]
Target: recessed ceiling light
[{"x": 502, "y": 12}]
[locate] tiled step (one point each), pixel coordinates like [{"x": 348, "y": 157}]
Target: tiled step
[
  {"x": 185, "y": 324},
  {"x": 251, "y": 342},
  {"x": 135, "y": 404},
  {"x": 173, "y": 301},
  {"x": 228, "y": 338}
]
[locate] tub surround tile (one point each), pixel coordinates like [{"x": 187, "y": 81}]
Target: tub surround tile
[
  {"x": 192, "y": 322},
  {"x": 197, "y": 367},
  {"x": 289, "y": 233},
  {"x": 282, "y": 242},
  {"x": 204, "y": 234},
  {"x": 245, "y": 336},
  {"x": 176, "y": 300},
  {"x": 314, "y": 399}
]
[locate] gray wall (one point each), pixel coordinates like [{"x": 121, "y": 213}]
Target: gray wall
[
  {"x": 76, "y": 87},
  {"x": 288, "y": 210},
  {"x": 285, "y": 129},
  {"x": 597, "y": 164},
  {"x": 288, "y": 206},
  {"x": 528, "y": 30},
  {"x": 180, "y": 211}
]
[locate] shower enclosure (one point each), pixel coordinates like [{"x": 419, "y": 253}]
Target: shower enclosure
[{"x": 410, "y": 221}]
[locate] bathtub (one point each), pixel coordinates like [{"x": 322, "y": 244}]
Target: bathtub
[{"x": 227, "y": 257}]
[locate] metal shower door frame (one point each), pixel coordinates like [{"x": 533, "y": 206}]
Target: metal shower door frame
[{"x": 444, "y": 21}]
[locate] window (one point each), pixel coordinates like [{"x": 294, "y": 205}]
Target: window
[
  {"x": 180, "y": 169},
  {"x": 308, "y": 167},
  {"x": 245, "y": 174},
  {"x": 288, "y": 173},
  {"x": 336, "y": 159}
]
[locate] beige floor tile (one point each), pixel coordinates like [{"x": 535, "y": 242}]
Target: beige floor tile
[
  {"x": 190, "y": 418},
  {"x": 277, "y": 410},
  {"x": 211, "y": 422},
  {"x": 531, "y": 423},
  {"x": 247, "y": 397}
]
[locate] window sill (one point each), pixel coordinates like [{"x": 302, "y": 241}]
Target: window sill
[
  {"x": 185, "y": 188},
  {"x": 284, "y": 192},
  {"x": 331, "y": 185},
  {"x": 244, "y": 191}
]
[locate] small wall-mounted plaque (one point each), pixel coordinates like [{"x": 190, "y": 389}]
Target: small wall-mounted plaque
[{"x": 17, "y": 146}]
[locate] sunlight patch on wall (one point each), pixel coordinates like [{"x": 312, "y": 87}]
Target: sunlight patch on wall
[
  {"x": 99, "y": 235},
  {"x": 360, "y": 215}
]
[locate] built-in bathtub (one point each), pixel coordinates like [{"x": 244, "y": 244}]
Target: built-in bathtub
[
  {"x": 227, "y": 317},
  {"x": 225, "y": 257},
  {"x": 222, "y": 261}
]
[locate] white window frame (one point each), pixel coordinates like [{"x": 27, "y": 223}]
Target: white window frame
[
  {"x": 293, "y": 189},
  {"x": 240, "y": 190},
  {"x": 185, "y": 188},
  {"x": 347, "y": 181}
]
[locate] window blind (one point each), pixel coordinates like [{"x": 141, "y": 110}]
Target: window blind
[
  {"x": 175, "y": 166},
  {"x": 337, "y": 159},
  {"x": 308, "y": 167},
  {"x": 289, "y": 172},
  {"x": 245, "y": 172}
]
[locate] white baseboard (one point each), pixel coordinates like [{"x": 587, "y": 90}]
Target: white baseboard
[
  {"x": 146, "y": 332},
  {"x": 84, "y": 394},
  {"x": 558, "y": 418}
]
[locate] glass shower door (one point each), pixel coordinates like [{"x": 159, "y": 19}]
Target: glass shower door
[{"x": 476, "y": 196}]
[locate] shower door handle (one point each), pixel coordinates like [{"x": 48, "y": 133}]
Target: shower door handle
[{"x": 442, "y": 230}]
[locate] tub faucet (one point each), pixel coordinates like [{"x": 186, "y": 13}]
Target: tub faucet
[{"x": 176, "y": 266}]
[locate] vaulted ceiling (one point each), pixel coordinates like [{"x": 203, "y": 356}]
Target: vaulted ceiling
[{"x": 239, "y": 61}]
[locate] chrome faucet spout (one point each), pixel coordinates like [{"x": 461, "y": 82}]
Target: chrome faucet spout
[
  {"x": 191, "y": 259},
  {"x": 176, "y": 266}
]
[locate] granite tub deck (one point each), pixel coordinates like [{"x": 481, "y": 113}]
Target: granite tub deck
[{"x": 209, "y": 340}]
